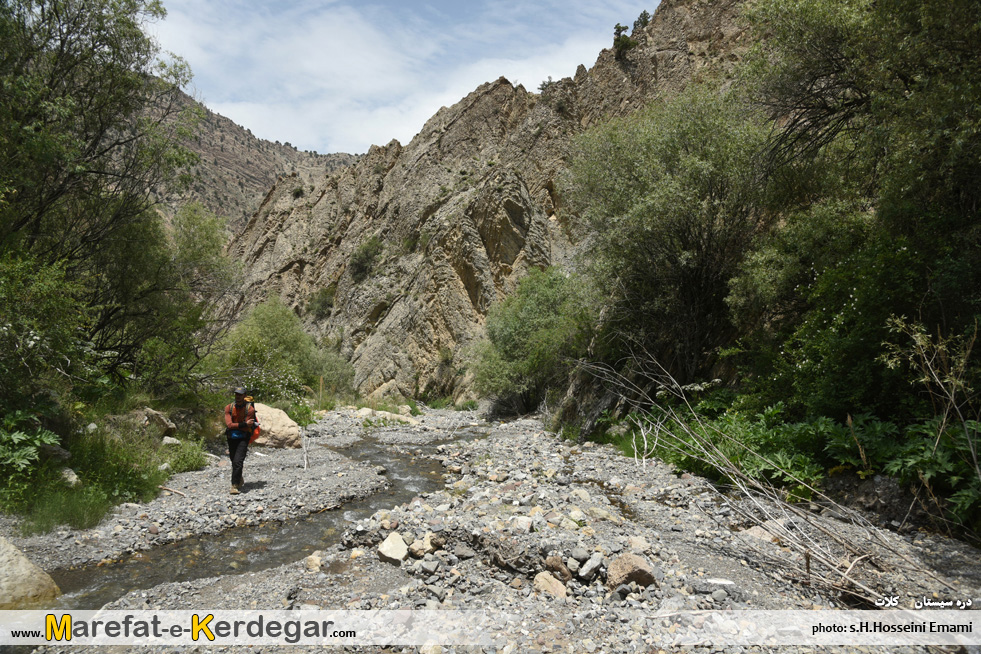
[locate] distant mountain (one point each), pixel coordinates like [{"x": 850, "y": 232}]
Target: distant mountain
[
  {"x": 399, "y": 256},
  {"x": 237, "y": 169}
]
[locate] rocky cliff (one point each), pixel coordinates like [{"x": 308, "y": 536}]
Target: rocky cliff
[
  {"x": 235, "y": 169},
  {"x": 405, "y": 250}
]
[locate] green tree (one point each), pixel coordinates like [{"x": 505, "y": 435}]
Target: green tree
[
  {"x": 533, "y": 336},
  {"x": 887, "y": 94},
  {"x": 87, "y": 122},
  {"x": 643, "y": 20},
  {"x": 674, "y": 201},
  {"x": 271, "y": 354},
  {"x": 621, "y": 42},
  {"x": 90, "y": 122}
]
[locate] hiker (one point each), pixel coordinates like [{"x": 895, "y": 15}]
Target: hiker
[{"x": 239, "y": 423}]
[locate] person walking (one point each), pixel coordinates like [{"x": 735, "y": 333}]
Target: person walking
[{"x": 239, "y": 422}]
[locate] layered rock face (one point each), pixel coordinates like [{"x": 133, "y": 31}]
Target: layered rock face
[
  {"x": 235, "y": 168},
  {"x": 462, "y": 212}
]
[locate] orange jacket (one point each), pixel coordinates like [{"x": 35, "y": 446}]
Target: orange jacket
[{"x": 236, "y": 417}]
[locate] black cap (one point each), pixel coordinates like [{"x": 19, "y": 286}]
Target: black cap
[{"x": 240, "y": 391}]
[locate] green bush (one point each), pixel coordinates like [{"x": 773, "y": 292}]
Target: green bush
[
  {"x": 643, "y": 20},
  {"x": 621, "y": 42},
  {"x": 533, "y": 335},
  {"x": 322, "y": 301},
  {"x": 186, "y": 456},
  {"x": 43, "y": 321},
  {"x": 363, "y": 259},
  {"x": 674, "y": 197},
  {"x": 271, "y": 355},
  {"x": 112, "y": 467}
]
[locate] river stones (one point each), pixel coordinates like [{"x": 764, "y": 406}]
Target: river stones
[
  {"x": 393, "y": 549},
  {"x": 628, "y": 568}
]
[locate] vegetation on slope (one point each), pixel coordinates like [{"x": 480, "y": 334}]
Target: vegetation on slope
[{"x": 807, "y": 235}]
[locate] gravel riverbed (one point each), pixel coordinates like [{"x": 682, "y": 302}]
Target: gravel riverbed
[{"x": 583, "y": 544}]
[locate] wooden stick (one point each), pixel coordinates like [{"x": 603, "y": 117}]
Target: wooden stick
[{"x": 172, "y": 490}]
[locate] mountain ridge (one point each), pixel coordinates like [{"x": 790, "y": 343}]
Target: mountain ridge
[
  {"x": 463, "y": 210},
  {"x": 236, "y": 169}
]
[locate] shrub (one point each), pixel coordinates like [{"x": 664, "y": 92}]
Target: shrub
[
  {"x": 298, "y": 193},
  {"x": 532, "y": 337},
  {"x": 621, "y": 42},
  {"x": 270, "y": 354},
  {"x": 673, "y": 196},
  {"x": 322, "y": 301},
  {"x": 363, "y": 259},
  {"x": 186, "y": 456},
  {"x": 643, "y": 20}
]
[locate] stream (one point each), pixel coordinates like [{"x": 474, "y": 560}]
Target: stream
[{"x": 250, "y": 549}]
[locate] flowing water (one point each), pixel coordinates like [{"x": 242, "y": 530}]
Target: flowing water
[{"x": 249, "y": 549}]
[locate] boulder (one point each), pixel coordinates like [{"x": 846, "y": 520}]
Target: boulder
[
  {"x": 70, "y": 478},
  {"x": 591, "y": 567},
  {"x": 628, "y": 568},
  {"x": 314, "y": 561},
  {"x": 55, "y": 452},
  {"x": 157, "y": 422},
  {"x": 557, "y": 567},
  {"x": 276, "y": 428},
  {"x": 22, "y": 584}
]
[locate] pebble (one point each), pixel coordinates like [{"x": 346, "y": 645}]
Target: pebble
[{"x": 483, "y": 558}]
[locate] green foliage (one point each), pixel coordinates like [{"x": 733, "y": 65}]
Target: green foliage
[
  {"x": 42, "y": 328},
  {"x": 186, "y": 456},
  {"x": 120, "y": 465},
  {"x": 887, "y": 224},
  {"x": 772, "y": 243},
  {"x": 298, "y": 192},
  {"x": 643, "y": 20},
  {"x": 363, "y": 259},
  {"x": 91, "y": 126},
  {"x": 184, "y": 271},
  {"x": 621, "y": 42},
  {"x": 21, "y": 438},
  {"x": 269, "y": 353},
  {"x": 938, "y": 458},
  {"x": 673, "y": 196},
  {"x": 532, "y": 336},
  {"x": 322, "y": 301},
  {"x": 88, "y": 123}
]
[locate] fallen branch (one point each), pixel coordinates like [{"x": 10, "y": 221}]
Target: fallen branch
[{"x": 172, "y": 490}]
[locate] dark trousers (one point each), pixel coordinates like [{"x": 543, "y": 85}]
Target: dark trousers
[{"x": 237, "y": 449}]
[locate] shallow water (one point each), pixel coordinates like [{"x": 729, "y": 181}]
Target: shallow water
[{"x": 249, "y": 549}]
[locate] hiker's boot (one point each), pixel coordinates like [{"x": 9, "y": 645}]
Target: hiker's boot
[{"x": 234, "y": 490}]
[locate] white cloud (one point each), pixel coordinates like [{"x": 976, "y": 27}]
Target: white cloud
[{"x": 337, "y": 77}]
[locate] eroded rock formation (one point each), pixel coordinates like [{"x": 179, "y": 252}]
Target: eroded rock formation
[{"x": 463, "y": 211}]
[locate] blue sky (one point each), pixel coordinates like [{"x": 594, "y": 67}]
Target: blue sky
[{"x": 339, "y": 76}]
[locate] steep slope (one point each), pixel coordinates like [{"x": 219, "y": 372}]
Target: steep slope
[
  {"x": 463, "y": 211},
  {"x": 236, "y": 169}
]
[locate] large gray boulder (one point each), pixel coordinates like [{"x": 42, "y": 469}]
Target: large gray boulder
[{"x": 22, "y": 584}]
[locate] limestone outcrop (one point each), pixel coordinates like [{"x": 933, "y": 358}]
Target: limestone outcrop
[{"x": 462, "y": 212}]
